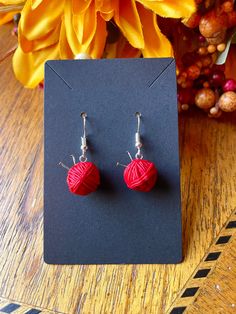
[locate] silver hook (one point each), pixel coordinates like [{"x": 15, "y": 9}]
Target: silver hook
[
  {"x": 138, "y": 143},
  {"x": 138, "y": 115},
  {"x": 83, "y": 146},
  {"x": 84, "y": 116}
]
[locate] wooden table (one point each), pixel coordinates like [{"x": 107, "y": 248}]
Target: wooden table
[{"x": 208, "y": 181}]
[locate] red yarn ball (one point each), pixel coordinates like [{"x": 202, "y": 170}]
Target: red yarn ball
[
  {"x": 83, "y": 178},
  {"x": 140, "y": 175}
]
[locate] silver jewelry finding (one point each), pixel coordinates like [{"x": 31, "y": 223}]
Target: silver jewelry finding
[
  {"x": 83, "y": 146},
  {"x": 138, "y": 142}
]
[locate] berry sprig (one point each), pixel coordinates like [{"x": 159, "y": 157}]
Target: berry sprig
[{"x": 200, "y": 81}]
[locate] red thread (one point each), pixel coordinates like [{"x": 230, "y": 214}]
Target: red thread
[
  {"x": 83, "y": 178},
  {"x": 140, "y": 175}
]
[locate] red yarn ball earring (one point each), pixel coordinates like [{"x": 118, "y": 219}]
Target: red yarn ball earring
[
  {"x": 83, "y": 177},
  {"x": 139, "y": 174}
]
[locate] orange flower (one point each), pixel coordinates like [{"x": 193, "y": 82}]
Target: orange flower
[
  {"x": 8, "y": 9},
  {"x": 63, "y": 29}
]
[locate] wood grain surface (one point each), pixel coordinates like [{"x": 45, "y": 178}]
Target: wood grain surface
[
  {"x": 212, "y": 286},
  {"x": 208, "y": 182},
  {"x": 218, "y": 293}
]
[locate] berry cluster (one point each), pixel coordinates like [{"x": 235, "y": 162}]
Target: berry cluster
[{"x": 200, "y": 80}]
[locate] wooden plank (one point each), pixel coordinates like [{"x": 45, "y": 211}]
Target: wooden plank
[
  {"x": 208, "y": 172},
  {"x": 219, "y": 291},
  {"x": 213, "y": 282}
]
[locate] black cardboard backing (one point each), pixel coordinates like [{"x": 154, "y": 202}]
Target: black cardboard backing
[{"x": 113, "y": 225}]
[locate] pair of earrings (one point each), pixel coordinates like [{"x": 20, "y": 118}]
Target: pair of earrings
[{"x": 83, "y": 177}]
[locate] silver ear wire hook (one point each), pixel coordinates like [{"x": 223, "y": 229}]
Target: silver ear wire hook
[
  {"x": 138, "y": 143},
  {"x": 138, "y": 116},
  {"x": 84, "y": 116},
  {"x": 83, "y": 146}
]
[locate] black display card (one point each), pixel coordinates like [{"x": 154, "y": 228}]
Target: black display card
[{"x": 113, "y": 225}]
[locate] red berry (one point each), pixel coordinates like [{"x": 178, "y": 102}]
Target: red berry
[
  {"x": 206, "y": 61},
  {"x": 206, "y": 72},
  {"x": 217, "y": 78},
  {"x": 201, "y": 39},
  {"x": 227, "y": 6},
  {"x": 193, "y": 72},
  {"x": 229, "y": 85}
]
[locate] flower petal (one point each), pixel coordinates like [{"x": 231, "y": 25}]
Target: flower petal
[
  {"x": 35, "y": 24},
  {"x": 64, "y": 47},
  {"x": 35, "y": 4},
  {"x": 29, "y": 67},
  {"x": 41, "y": 43},
  {"x": 156, "y": 44},
  {"x": 10, "y": 2},
  {"x": 106, "y": 9},
  {"x": 171, "y": 8},
  {"x": 7, "y": 17},
  {"x": 127, "y": 18},
  {"x": 96, "y": 48},
  {"x": 107, "y": 16},
  {"x": 80, "y": 6},
  {"x": 85, "y": 25},
  {"x": 72, "y": 39}
]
